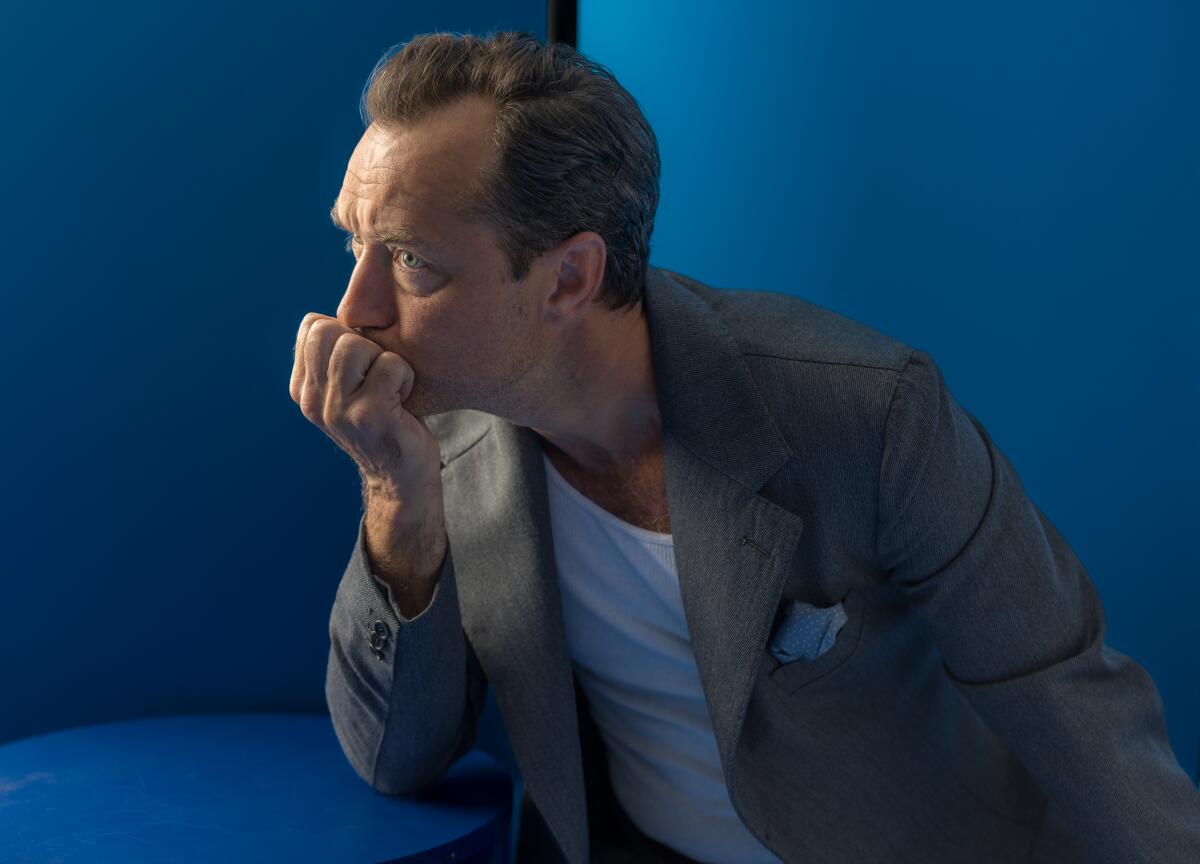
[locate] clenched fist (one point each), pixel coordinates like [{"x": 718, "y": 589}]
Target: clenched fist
[{"x": 354, "y": 391}]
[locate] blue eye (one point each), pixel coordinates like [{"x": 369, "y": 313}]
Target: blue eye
[
  {"x": 351, "y": 242},
  {"x": 406, "y": 267}
]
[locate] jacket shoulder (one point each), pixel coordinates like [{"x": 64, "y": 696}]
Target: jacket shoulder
[{"x": 772, "y": 324}]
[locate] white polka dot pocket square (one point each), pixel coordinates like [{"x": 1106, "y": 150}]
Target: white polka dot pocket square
[{"x": 807, "y": 631}]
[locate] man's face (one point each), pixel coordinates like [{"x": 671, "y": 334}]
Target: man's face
[{"x": 442, "y": 304}]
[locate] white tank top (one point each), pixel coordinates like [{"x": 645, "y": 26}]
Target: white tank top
[{"x": 631, "y": 651}]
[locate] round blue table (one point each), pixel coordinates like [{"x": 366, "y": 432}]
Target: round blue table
[{"x": 235, "y": 787}]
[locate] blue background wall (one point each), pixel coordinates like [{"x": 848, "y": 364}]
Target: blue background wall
[
  {"x": 1014, "y": 188},
  {"x": 1015, "y": 195},
  {"x": 174, "y": 528}
]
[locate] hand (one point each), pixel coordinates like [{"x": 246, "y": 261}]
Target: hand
[{"x": 354, "y": 390}]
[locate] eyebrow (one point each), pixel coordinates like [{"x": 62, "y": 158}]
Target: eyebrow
[{"x": 392, "y": 234}]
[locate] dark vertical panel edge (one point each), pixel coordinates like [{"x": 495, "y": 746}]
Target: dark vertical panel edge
[{"x": 562, "y": 18}]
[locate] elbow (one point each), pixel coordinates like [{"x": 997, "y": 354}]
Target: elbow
[{"x": 416, "y": 774}]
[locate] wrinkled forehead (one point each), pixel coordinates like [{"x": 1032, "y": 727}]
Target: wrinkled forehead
[
  {"x": 422, "y": 170},
  {"x": 389, "y": 169}
]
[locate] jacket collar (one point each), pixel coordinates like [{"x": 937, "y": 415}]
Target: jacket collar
[{"x": 732, "y": 548}]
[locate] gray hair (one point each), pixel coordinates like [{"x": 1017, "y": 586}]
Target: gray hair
[{"x": 573, "y": 150}]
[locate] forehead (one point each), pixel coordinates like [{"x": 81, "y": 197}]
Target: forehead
[{"x": 420, "y": 172}]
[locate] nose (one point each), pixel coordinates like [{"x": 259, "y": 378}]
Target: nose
[{"x": 369, "y": 301}]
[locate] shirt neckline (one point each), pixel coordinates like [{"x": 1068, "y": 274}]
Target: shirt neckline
[{"x": 599, "y": 512}]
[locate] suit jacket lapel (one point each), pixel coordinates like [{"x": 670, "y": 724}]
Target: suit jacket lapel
[
  {"x": 732, "y": 550},
  {"x": 499, "y": 531},
  {"x": 733, "y": 546}
]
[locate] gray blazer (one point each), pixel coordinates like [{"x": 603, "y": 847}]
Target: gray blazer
[{"x": 969, "y": 709}]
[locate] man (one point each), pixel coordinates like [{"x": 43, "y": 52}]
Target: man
[{"x": 747, "y": 581}]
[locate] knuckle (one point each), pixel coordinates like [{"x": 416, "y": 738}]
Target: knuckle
[
  {"x": 343, "y": 344},
  {"x": 327, "y": 323},
  {"x": 314, "y": 332},
  {"x": 312, "y": 402},
  {"x": 391, "y": 365},
  {"x": 359, "y": 416},
  {"x": 312, "y": 347},
  {"x": 305, "y": 330},
  {"x": 382, "y": 364}
]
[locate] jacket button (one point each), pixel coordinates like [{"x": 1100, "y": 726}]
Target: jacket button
[{"x": 378, "y": 635}]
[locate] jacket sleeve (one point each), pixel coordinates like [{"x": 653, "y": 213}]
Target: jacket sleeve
[
  {"x": 404, "y": 695},
  {"x": 1021, "y": 629}
]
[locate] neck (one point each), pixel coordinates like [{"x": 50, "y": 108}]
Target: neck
[{"x": 606, "y": 418}]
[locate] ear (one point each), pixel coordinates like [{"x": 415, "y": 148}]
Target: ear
[{"x": 577, "y": 274}]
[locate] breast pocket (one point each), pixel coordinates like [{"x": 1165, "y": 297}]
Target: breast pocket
[{"x": 810, "y": 641}]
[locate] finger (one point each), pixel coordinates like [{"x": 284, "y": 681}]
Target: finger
[
  {"x": 297, "y": 382},
  {"x": 390, "y": 381},
  {"x": 349, "y": 360},
  {"x": 317, "y": 345},
  {"x": 391, "y": 377}
]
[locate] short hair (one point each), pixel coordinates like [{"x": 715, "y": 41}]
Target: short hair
[{"x": 573, "y": 151}]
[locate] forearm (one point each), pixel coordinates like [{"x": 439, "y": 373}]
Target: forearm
[
  {"x": 395, "y": 688},
  {"x": 405, "y": 549}
]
